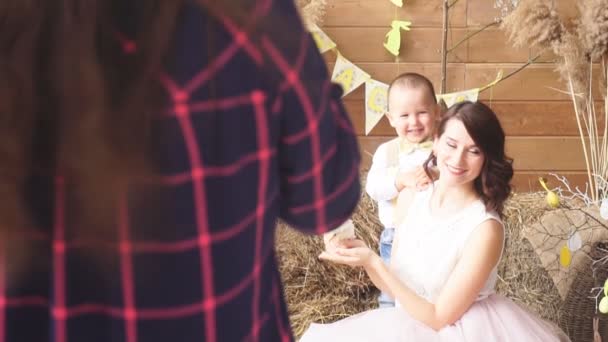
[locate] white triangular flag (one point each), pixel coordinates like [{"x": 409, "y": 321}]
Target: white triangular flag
[
  {"x": 348, "y": 75},
  {"x": 324, "y": 43},
  {"x": 376, "y": 99}
]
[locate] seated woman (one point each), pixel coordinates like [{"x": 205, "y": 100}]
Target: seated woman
[{"x": 446, "y": 251}]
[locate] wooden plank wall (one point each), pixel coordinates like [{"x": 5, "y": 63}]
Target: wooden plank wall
[{"x": 539, "y": 121}]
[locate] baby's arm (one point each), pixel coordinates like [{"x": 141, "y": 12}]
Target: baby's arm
[{"x": 380, "y": 184}]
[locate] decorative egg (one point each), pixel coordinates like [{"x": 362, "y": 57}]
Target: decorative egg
[
  {"x": 603, "y": 306},
  {"x": 604, "y": 209},
  {"x": 552, "y": 199}
]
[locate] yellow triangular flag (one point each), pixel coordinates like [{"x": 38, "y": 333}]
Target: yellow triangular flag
[
  {"x": 398, "y": 3},
  {"x": 375, "y": 103},
  {"x": 324, "y": 43},
  {"x": 457, "y": 97},
  {"x": 393, "y": 37},
  {"x": 348, "y": 75}
]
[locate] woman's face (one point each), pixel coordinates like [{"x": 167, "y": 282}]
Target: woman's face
[{"x": 459, "y": 160}]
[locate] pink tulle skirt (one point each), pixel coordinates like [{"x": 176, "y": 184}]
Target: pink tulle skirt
[{"x": 494, "y": 318}]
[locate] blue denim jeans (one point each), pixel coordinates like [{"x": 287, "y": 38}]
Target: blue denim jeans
[{"x": 386, "y": 245}]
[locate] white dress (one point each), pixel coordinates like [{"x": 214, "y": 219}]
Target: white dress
[{"x": 428, "y": 250}]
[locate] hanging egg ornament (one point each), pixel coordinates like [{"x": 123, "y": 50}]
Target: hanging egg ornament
[
  {"x": 603, "y": 306},
  {"x": 552, "y": 198},
  {"x": 604, "y": 209},
  {"x": 575, "y": 242},
  {"x": 565, "y": 257}
]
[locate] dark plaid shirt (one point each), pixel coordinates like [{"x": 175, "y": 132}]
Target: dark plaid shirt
[{"x": 253, "y": 133}]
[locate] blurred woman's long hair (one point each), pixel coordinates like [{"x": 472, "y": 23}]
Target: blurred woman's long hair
[{"x": 77, "y": 96}]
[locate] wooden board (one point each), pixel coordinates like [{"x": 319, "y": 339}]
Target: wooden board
[
  {"x": 529, "y": 153},
  {"x": 422, "y": 13},
  {"x": 537, "y": 118},
  {"x": 533, "y": 83},
  {"x": 365, "y": 44},
  {"x": 492, "y": 46}
]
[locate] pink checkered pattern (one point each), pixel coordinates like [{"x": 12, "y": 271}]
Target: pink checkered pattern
[{"x": 254, "y": 131}]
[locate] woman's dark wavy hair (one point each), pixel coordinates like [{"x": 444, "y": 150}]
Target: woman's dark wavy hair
[
  {"x": 74, "y": 101},
  {"x": 493, "y": 183}
]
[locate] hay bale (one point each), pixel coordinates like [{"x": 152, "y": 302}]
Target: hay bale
[
  {"x": 324, "y": 292},
  {"x": 521, "y": 275}
]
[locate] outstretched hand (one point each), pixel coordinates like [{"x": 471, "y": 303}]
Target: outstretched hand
[{"x": 351, "y": 252}]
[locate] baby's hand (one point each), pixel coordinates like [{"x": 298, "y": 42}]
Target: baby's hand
[
  {"x": 333, "y": 239},
  {"x": 416, "y": 179},
  {"x": 422, "y": 179},
  {"x": 405, "y": 179}
]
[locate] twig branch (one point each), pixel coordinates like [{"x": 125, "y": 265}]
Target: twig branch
[
  {"x": 470, "y": 35},
  {"x": 452, "y": 4},
  {"x": 514, "y": 72},
  {"x": 568, "y": 193},
  {"x": 444, "y": 46}
]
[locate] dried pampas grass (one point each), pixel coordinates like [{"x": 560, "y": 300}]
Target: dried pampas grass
[
  {"x": 534, "y": 23},
  {"x": 592, "y": 31},
  {"x": 573, "y": 65},
  {"x": 312, "y": 10},
  {"x": 593, "y": 28}
]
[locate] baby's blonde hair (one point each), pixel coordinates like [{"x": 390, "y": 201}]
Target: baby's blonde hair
[{"x": 414, "y": 81}]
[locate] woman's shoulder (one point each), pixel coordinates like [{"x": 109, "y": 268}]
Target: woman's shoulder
[
  {"x": 487, "y": 214},
  {"x": 480, "y": 217}
]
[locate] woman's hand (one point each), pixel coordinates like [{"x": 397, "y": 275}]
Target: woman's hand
[{"x": 351, "y": 252}]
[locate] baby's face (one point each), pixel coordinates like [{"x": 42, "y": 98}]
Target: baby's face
[{"x": 412, "y": 112}]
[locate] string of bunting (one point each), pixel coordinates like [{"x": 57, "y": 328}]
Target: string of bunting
[{"x": 350, "y": 76}]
